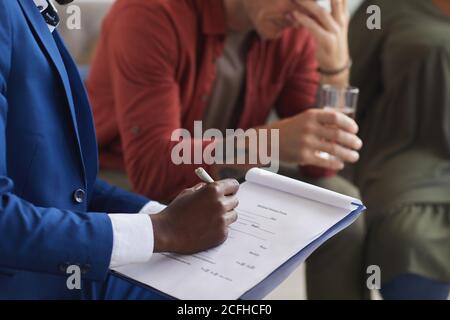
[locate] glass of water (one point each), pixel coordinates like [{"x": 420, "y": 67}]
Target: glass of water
[{"x": 343, "y": 100}]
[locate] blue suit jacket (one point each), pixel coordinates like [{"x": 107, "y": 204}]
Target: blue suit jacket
[{"x": 52, "y": 207}]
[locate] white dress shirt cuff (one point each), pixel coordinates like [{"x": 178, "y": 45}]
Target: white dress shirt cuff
[
  {"x": 132, "y": 239},
  {"x": 152, "y": 207}
]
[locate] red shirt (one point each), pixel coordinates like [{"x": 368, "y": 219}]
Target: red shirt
[{"x": 154, "y": 70}]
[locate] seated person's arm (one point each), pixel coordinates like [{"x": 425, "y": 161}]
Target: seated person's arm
[
  {"x": 305, "y": 131},
  {"x": 144, "y": 57}
]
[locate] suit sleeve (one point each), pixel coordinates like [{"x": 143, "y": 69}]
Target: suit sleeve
[
  {"x": 37, "y": 239},
  {"x": 107, "y": 198}
]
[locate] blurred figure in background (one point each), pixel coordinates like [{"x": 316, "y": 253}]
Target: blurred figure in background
[
  {"x": 403, "y": 71},
  {"x": 161, "y": 65}
]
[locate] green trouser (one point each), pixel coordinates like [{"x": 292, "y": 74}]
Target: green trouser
[
  {"x": 336, "y": 269},
  {"x": 412, "y": 238}
]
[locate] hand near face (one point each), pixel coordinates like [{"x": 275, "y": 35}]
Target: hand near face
[{"x": 330, "y": 30}]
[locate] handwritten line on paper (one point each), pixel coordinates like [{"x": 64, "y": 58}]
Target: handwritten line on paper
[{"x": 247, "y": 233}]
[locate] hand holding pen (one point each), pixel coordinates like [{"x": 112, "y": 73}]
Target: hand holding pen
[{"x": 198, "y": 218}]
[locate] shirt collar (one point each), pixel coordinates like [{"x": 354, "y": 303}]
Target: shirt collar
[{"x": 48, "y": 12}]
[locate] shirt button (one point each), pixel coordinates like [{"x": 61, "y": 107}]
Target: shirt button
[
  {"x": 135, "y": 130},
  {"x": 78, "y": 195}
]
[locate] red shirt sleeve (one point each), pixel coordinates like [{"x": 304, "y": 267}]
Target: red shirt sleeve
[{"x": 144, "y": 52}]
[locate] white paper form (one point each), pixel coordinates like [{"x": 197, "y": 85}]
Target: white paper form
[{"x": 278, "y": 217}]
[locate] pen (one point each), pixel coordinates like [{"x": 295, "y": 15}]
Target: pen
[{"x": 203, "y": 175}]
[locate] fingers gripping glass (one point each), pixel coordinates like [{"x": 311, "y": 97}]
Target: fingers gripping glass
[{"x": 344, "y": 100}]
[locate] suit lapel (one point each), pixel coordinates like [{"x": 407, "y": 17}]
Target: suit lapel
[
  {"x": 47, "y": 42},
  {"x": 84, "y": 115}
]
